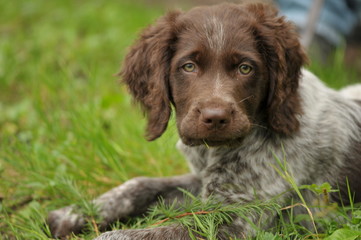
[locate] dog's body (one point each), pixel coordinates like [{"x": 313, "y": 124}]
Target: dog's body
[
  {"x": 234, "y": 76},
  {"x": 327, "y": 148}
]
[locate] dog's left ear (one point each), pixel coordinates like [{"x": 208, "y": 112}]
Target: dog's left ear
[
  {"x": 146, "y": 71},
  {"x": 279, "y": 45}
]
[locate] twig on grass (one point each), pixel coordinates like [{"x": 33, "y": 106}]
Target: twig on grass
[
  {"x": 95, "y": 226},
  {"x": 182, "y": 215},
  {"x": 308, "y": 211}
]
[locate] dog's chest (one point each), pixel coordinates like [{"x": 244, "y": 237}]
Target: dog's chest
[
  {"x": 235, "y": 175},
  {"x": 242, "y": 176}
]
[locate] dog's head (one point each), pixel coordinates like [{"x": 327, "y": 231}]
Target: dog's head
[{"x": 226, "y": 69}]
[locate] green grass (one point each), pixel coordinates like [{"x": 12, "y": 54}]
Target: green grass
[{"x": 68, "y": 130}]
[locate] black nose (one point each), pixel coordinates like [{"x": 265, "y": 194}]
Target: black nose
[{"x": 215, "y": 118}]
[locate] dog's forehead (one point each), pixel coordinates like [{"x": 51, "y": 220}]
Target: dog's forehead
[
  {"x": 214, "y": 17},
  {"x": 216, "y": 25},
  {"x": 214, "y": 31}
]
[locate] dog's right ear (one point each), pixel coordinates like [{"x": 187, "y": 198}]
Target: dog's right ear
[{"x": 146, "y": 71}]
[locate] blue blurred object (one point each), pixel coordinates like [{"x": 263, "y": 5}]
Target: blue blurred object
[{"x": 336, "y": 20}]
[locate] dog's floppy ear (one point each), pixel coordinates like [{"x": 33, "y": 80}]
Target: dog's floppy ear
[
  {"x": 279, "y": 45},
  {"x": 146, "y": 71}
]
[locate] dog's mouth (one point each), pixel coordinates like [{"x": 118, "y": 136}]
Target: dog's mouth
[
  {"x": 213, "y": 127},
  {"x": 212, "y": 142},
  {"x": 215, "y": 138}
]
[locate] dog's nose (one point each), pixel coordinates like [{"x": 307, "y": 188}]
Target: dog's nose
[{"x": 215, "y": 118}]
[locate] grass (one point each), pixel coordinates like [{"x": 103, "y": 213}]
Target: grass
[{"x": 68, "y": 131}]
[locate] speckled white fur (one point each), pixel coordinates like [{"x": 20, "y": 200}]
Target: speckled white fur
[
  {"x": 325, "y": 135},
  {"x": 214, "y": 31},
  {"x": 353, "y": 91}
]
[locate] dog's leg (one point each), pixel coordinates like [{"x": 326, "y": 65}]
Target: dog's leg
[
  {"x": 238, "y": 229},
  {"x": 159, "y": 233},
  {"x": 132, "y": 198}
]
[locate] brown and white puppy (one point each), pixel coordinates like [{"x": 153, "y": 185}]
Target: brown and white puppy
[{"x": 233, "y": 74}]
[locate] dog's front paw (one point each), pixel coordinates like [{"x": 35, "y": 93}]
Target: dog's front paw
[{"x": 64, "y": 221}]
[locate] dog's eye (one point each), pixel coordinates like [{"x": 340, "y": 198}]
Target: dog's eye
[
  {"x": 189, "y": 67},
  {"x": 245, "y": 69}
]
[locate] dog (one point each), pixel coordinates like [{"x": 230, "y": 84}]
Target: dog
[{"x": 234, "y": 76}]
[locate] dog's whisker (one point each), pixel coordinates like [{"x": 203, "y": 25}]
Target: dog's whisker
[
  {"x": 260, "y": 126},
  {"x": 244, "y": 99}
]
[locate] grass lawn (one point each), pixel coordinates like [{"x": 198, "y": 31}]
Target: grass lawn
[{"x": 68, "y": 131}]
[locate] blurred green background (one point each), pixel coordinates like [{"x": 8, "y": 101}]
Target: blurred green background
[{"x": 68, "y": 130}]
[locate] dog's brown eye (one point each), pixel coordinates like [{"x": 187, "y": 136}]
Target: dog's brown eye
[
  {"x": 245, "y": 69},
  {"x": 189, "y": 67}
]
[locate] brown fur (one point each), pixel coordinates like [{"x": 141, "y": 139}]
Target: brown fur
[
  {"x": 146, "y": 72},
  {"x": 281, "y": 49},
  {"x": 152, "y": 72}
]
